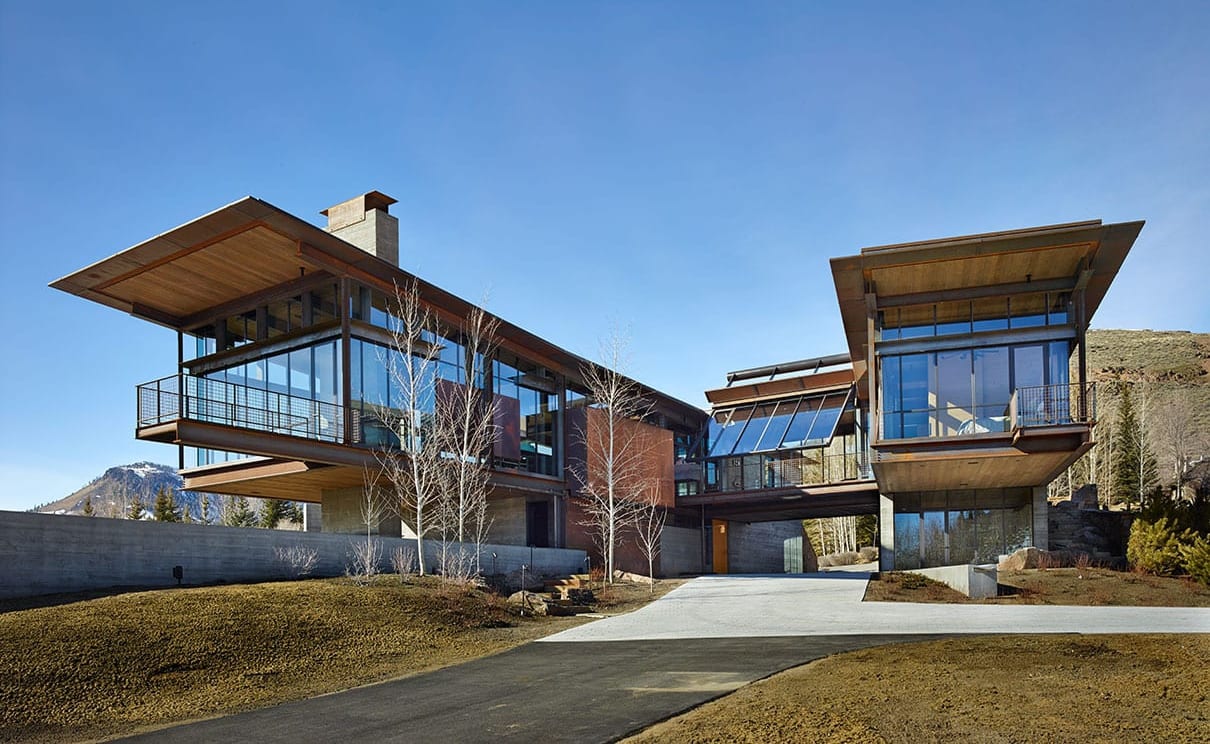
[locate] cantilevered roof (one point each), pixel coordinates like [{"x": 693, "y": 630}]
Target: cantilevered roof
[
  {"x": 1053, "y": 257},
  {"x": 251, "y": 247}
]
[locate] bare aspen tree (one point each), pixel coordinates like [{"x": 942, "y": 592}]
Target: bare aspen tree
[
  {"x": 647, "y": 521},
  {"x": 367, "y": 554},
  {"x": 1177, "y": 438},
  {"x": 611, "y": 478},
  {"x": 413, "y": 469},
  {"x": 465, "y": 431}
]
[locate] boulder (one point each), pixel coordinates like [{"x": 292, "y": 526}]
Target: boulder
[
  {"x": 528, "y": 603},
  {"x": 1024, "y": 558},
  {"x": 532, "y": 581}
]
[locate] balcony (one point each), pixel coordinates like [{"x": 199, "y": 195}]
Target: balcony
[
  {"x": 185, "y": 397},
  {"x": 1040, "y": 433},
  {"x": 751, "y": 473}
]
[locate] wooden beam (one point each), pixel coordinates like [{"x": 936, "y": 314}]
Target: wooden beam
[
  {"x": 243, "y": 303},
  {"x": 972, "y": 293},
  {"x": 139, "y": 310}
]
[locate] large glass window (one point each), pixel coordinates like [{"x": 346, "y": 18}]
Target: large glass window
[
  {"x": 967, "y": 391},
  {"x": 527, "y": 407},
  {"x": 940, "y": 528}
]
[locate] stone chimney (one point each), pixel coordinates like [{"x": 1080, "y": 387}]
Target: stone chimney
[{"x": 364, "y": 222}]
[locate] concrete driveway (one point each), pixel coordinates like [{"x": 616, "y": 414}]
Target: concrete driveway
[{"x": 829, "y": 604}]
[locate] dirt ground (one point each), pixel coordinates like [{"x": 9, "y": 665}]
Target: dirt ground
[
  {"x": 115, "y": 664},
  {"x": 988, "y": 689},
  {"x": 1058, "y": 586}
]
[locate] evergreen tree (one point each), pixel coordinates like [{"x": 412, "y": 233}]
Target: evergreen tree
[
  {"x": 272, "y": 511},
  {"x": 136, "y": 509},
  {"x": 205, "y": 517},
  {"x": 88, "y": 512},
  {"x": 240, "y": 514},
  {"x": 1135, "y": 472},
  {"x": 165, "y": 506}
]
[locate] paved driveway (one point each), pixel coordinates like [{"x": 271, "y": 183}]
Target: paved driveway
[
  {"x": 613, "y": 677},
  {"x": 830, "y": 604}
]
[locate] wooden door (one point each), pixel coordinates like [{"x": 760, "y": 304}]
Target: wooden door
[{"x": 718, "y": 540}]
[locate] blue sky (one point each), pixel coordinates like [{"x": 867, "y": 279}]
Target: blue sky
[{"x": 684, "y": 169}]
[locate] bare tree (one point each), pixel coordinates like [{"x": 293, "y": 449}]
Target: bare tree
[
  {"x": 647, "y": 520},
  {"x": 465, "y": 427},
  {"x": 612, "y": 477},
  {"x": 1177, "y": 438},
  {"x": 367, "y": 554},
  {"x": 413, "y": 469}
]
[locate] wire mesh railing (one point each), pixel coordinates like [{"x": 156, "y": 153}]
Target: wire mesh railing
[
  {"x": 1053, "y": 405},
  {"x": 751, "y": 473},
  {"x": 193, "y": 398}
]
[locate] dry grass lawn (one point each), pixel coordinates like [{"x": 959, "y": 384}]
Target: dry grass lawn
[
  {"x": 1057, "y": 586},
  {"x": 986, "y": 689}
]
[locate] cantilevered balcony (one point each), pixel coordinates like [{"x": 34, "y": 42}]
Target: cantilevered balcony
[
  {"x": 1050, "y": 423},
  {"x": 215, "y": 414}
]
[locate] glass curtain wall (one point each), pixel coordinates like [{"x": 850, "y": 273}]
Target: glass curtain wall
[
  {"x": 527, "y": 417},
  {"x": 965, "y": 390},
  {"x": 946, "y": 528}
]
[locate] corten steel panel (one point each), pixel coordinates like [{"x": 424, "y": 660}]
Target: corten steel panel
[
  {"x": 821, "y": 381},
  {"x": 508, "y": 428},
  {"x": 656, "y": 465}
]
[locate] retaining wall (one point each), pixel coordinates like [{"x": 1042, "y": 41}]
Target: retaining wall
[{"x": 51, "y": 553}]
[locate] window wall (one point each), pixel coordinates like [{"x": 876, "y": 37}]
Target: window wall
[
  {"x": 974, "y": 316},
  {"x": 945, "y": 528},
  {"x": 963, "y": 391},
  {"x": 527, "y": 417}
]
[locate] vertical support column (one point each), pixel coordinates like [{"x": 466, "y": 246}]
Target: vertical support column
[
  {"x": 180, "y": 370},
  {"x": 1082, "y": 353},
  {"x": 1041, "y": 515},
  {"x": 886, "y": 533},
  {"x": 871, "y": 361},
  {"x": 346, "y": 361}
]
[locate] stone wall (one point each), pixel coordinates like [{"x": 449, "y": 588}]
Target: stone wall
[
  {"x": 51, "y": 553},
  {"x": 1101, "y": 534}
]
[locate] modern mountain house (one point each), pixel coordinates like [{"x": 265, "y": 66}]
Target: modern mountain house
[{"x": 963, "y": 391}]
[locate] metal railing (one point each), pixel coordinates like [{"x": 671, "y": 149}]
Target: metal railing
[
  {"x": 750, "y": 473},
  {"x": 1053, "y": 405},
  {"x": 219, "y": 402}
]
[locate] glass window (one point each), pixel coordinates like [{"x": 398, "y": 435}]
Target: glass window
[
  {"x": 1028, "y": 369},
  {"x": 907, "y": 540},
  {"x": 752, "y": 432},
  {"x": 888, "y": 324},
  {"x": 1060, "y": 308},
  {"x": 729, "y": 431},
  {"x": 992, "y": 389},
  {"x": 953, "y": 317},
  {"x": 918, "y": 383},
  {"x": 800, "y": 426},
  {"x": 953, "y": 392},
  {"x": 990, "y": 314},
  {"x": 824, "y": 425},
  {"x": 892, "y": 401},
  {"x": 961, "y": 524},
  {"x": 916, "y": 322},
  {"x": 778, "y": 423},
  {"x": 1027, "y": 311}
]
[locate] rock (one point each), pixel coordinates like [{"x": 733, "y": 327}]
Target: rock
[
  {"x": 1024, "y": 558},
  {"x": 528, "y": 603},
  {"x": 513, "y": 580}
]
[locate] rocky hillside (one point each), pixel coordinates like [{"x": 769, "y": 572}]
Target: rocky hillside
[
  {"x": 1163, "y": 364},
  {"x": 112, "y": 492}
]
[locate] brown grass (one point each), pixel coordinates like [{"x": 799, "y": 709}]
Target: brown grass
[
  {"x": 1002, "y": 689},
  {"x": 114, "y": 664},
  {"x": 1058, "y": 586}
]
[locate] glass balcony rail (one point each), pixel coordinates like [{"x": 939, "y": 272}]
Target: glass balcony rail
[
  {"x": 755, "y": 472},
  {"x": 230, "y": 404},
  {"x": 1053, "y": 405}
]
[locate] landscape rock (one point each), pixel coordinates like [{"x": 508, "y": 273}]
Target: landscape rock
[
  {"x": 528, "y": 603},
  {"x": 1025, "y": 558}
]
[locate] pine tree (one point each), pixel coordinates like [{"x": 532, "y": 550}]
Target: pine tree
[
  {"x": 165, "y": 506},
  {"x": 136, "y": 509},
  {"x": 240, "y": 514},
  {"x": 1135, "y": 473},
  {"x": 88, "y": 512},
  {"x": 205, "y": 518},
  {"x": 272, "y": 511}
]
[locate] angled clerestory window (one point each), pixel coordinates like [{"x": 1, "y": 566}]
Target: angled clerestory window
[{"x": 791, "y": 423}]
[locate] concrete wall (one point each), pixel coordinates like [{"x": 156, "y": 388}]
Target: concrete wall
[
  {"x": 886, "y": 533},
  {"x": 760, "y": 547},
  {"x": 1041, "y": 524},
  {"x": 680, "y": 551},
  {"x": 343, "y": 509},
  {"x": 507, "y": 518},
  {"x": 51, "y": 553},
  {"x": 971, "y": 580}
]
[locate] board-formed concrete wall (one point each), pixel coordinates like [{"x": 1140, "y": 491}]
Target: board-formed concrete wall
[
  {"x": 51, "y": 553},
  {"x": 760, "y": 547},
  {"x": 680, "y": 551}
]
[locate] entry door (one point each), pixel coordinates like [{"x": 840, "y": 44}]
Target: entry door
[
  {"x": 719, "y": 542},
  {"x": 537, "y": 524}
]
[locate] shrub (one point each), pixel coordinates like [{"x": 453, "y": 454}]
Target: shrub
[
  {"x": 1196, "y": 559},
  {"x": 1155, "y": 547},
  {"x": 299, "y": 560},
  {"x": 868, "y": 554},
  {"x": 403, "y": 560}
]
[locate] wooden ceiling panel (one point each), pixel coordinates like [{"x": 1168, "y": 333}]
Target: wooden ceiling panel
[{"x": 979, "y": 271}]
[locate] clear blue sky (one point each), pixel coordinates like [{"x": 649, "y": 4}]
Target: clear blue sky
[{"x": 682, "y": 168}]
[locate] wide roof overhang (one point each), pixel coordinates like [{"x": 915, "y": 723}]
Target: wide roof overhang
[
  {"x": 250, "y": 248},
  {"x": 1054, "y": 257}
]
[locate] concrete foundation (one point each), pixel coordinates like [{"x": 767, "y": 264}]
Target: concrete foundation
[
  {"x": 971, "y": 580},
  {"x": 886, "y": 533}
]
